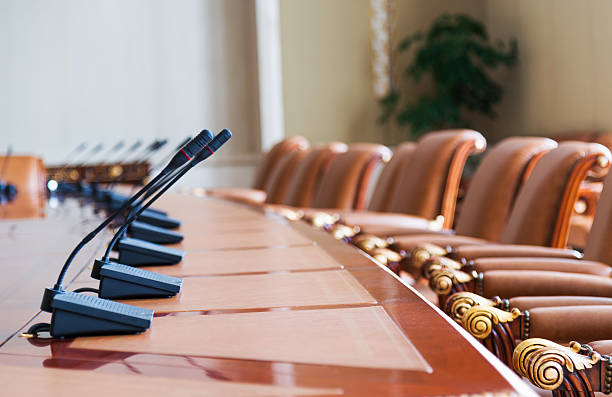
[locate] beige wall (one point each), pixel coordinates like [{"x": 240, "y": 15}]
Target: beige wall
[
  {"x": 326, "y": 71},
  {"x": 562, "y": 82},
  {"x": 326, "y": 64}
]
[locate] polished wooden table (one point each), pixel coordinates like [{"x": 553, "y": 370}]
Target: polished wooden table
[{"x": 268, "y": 308}]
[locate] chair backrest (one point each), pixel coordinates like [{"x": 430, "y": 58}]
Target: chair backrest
[
  {"x": 543, "y": 208},
  {"x": 273, "y": 156},
  {"x": 598, "y": 242},
  {"x": 309, "y": 172},
  {"x": 346, "y": 180},
  {"x": 496, "y": 183},
  {"x": 429, "y": 183},
  {"x": 24, "y": 172},
  {"x": 387, "y": 180},
  {"x": 282, "y": 174}
]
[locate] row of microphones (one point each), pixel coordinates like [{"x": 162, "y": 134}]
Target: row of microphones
[{"x": 75, "y": 313}]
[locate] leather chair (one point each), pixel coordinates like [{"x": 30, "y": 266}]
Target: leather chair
[
  {"x": 348, "y": 176},
  {"x": 535, "y": 276},
  {"x": 540, "y": 215},
  {"x": 425, "y": 188},
  {"x": 25, "y": 172},
  {"x": 28, "y": 175},
  {"x": 390, "y": 174},
  {"x": 560, "y": 319},
  {"x": 281, "y": 176},
  {"x": 309, "y": 173},
  {"x": 264, "y": 171},
  {"x": 493, "y": 189}
]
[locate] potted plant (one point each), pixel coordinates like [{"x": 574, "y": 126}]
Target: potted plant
[{"x": 457, "y": 54}]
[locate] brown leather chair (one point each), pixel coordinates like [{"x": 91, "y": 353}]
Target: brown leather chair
[
  {"x": 25, "y": 172},
  {"x": 264, "y": 171},
  {"x": 281, "y": 176},
  {"x": 310, "y": 171},
  {"x": 346, "y": 181},
  {"x": 28, "y": 175},
  {"x": 427, "y": 185},
  {"x": 390, "y": 174},
  {"x": 556, "y": 276},
  {"x": 493, "y": 189},
  {"x": 541, "y": 213}
]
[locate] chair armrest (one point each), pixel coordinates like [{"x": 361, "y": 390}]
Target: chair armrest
[
  {"x": 573, "y": 370},
  {"x": 408, "y": 243},
  {"x": 387, "y": 224},
  {"x": 239, "y": 194},
  {"x": 512, "y": 283},
  {"x": 530, "y": 302},
  {"x": 547, "y": 264},
  {"x": 507, "y": 250}
]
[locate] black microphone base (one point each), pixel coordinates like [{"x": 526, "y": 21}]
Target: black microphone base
[
  {"x": 155, "y": 219},
  {"x": 136, "y": 252},
  {"x": 154, "y": 234},
  {"x": 116, "y": 200},
  {"x": 77, "y": 314},
  {"x": 119, "y": 281}
]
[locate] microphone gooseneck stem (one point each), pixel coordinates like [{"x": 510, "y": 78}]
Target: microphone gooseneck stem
[
  {"x": 135, "y": 215},
  {"x": 101, "y": 226},
  {"x": 195, "y": 146},
  {"x": 202, "y": 155}
]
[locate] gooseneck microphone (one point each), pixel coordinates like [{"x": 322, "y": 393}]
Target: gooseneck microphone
[
  {"x": 208, "y": 151},
  {"x": 120, "y": 281},
  {"x": 184, "y": 155},
  {"x": 76, "y": 314}
]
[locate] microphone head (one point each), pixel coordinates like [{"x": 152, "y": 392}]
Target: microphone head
[
  {"x": 220, "y": 139},
  {"x": 195, "y": 145},
  {"x": 213, "y": 146},
  {"x": 189, "y": 151}
]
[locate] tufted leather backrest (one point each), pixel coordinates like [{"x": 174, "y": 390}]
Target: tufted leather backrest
[
  {"x": 24, "y": 172},
  {"x": 429, "y": 183},
  {"x": 541, "y": 212},
  {"x": 282, "y": 174},
  {"x": 309, "y": 172},
  {"x": 345, "y": 183},
  {"x": 496, "y": 183},
  {"x": 387, "y": 181},
  {"x": 598, "y": 243},
  {"x": 273, "y": 156}
]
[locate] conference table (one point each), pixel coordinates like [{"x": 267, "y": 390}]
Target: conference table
[{"x": 268, "y": 307}]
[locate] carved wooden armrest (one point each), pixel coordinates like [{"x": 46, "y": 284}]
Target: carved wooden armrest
[
  {"x": 343, "y": 232},
  {"x": 497, "y": 329},
  {"x": 459, "y": 303},
  {"x": 322, "y": 220},
  {"x": 288, "y": 213},
  {"x": 422, "y": 253},
  {"x": 446, "y": 278},
  {"x": 368, "y": 242},
  {"x": 387, "y": 257},
  {"x": 437, "y": 263},
  {"x": 575, "y": 370}
]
